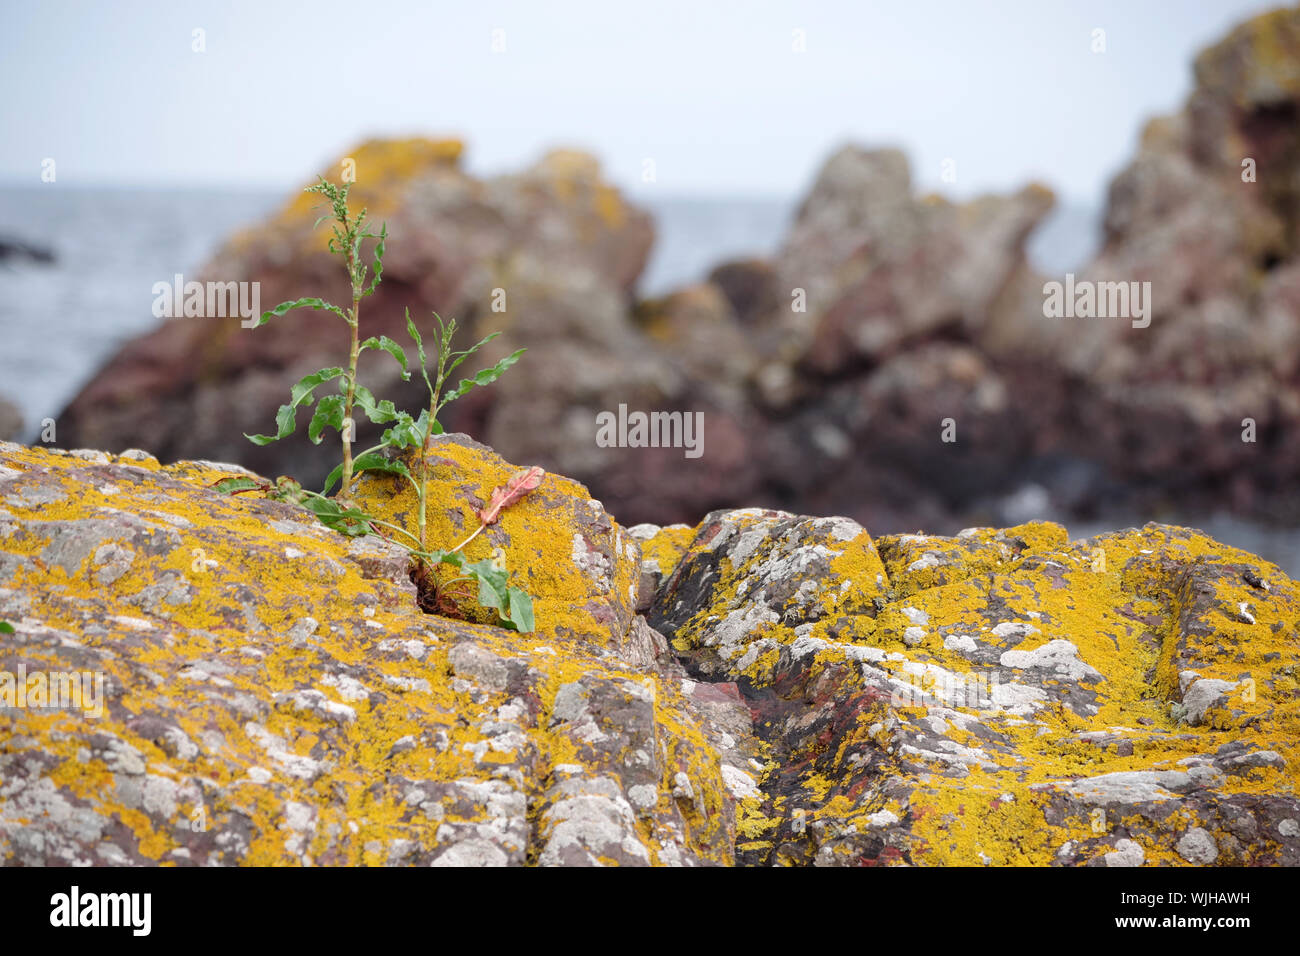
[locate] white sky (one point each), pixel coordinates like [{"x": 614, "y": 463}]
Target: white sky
[{"x": 710, "y": 90}]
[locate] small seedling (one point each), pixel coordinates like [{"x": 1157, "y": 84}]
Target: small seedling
[{"x": 405, "y": 432}]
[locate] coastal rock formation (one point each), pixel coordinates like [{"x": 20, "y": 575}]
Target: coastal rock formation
[
  {"x": 891, "y": 362},
  {"x": 1001, "y": 697},
  {"x": 263, "y": 690},
  {"x": 547, "y": 257},
  {"x": 11, "y": 420},
  {"x": 1208, "y": 213}
]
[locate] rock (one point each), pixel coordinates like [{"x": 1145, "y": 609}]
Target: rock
[
  {"x": 892, "y": 362},
  {"x": 887, "y": 302},
  {"x": 20, "y": 249},
  {"x": 750, "y": 286},
  {"x": 800, "y": 693},
  {"x": 1218, "y": 243},
  {"x": 546, "y": 256},
  {"x": 11, "y": 420},
  {"x": 928, "y": 695},
  {"x": 582, "y": 568},
  {"x": 250, "y": 708}
]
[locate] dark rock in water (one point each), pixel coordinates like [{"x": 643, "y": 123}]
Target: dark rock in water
[
  {"x": 11, "y": 420},
  {"x": 11, "y": 249}
]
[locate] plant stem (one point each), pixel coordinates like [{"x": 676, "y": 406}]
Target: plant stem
[
  {"x": 354, "y": 323},
  {"x": 428, "y": 432},
  {"x": 347, "y": 403},
  {"x": 469, "y": 539}
]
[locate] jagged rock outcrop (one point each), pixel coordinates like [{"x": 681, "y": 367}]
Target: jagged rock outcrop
[
  {"x": 549, "y": 258},
  {"x": 1208, "y": 213},
  {"x": 827, "y": 373},
  {"x": 264, "y": 690},
  {"x": 1001, "y": 697}
]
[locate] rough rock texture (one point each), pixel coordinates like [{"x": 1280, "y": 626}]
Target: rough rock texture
[
  {"x": 272, "y": 694},
  {"x": 1002, "y": 697}
]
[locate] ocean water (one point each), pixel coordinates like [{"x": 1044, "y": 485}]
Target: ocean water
[{"x": 59, "y": 322}]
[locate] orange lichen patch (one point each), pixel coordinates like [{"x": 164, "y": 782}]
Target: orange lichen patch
[
  {"x": 991, "y": 819},
  {"x": 382, "y": 167},
  {"x": 574, "y": 176},
  {"x": 666, "y": 547},
  {"x": 381, "y": 171},
  {"x": 1088, "y": 641},
  {"x": 578, "y": 565},
  {"x": 916, "y": 562},
  {"x": 1256, "y": 59}
]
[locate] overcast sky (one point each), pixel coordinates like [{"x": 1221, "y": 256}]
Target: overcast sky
[{"x": 713, "y": 92}]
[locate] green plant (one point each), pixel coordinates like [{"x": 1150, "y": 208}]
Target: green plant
[
  {"x": 405, "y": 433},
  {"x": 6, "y": 627}
]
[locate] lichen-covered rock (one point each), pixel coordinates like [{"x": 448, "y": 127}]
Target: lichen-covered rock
[
  {"x": 1001, "y": 697},
  {"x": 582, "y": 569},
  {"x": 261, "y": 690}
]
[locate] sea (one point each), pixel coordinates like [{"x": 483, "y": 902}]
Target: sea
[{"x": 61, "y": 320}]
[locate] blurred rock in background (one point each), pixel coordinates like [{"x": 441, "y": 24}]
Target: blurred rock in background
[
  {"x": 11, "y": 420},
  {"x": 826, "y": 374}
]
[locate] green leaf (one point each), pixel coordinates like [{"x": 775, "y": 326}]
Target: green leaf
[
  {"x": 521, "y": 610},
  {"x": 6, "y": 627},
  {"x": 348, "y": 521},
  {"x": 454, "y": 558},
  {"x": 485, "y": 377},
  {"x": 329, "y": 414},
  {"x": 389, "y": 346},
  {"x": 311, "y": 302},
  {"x": 333, "y": 478},
  {"x": 378, "y": 412},
  {"x": 461, "y": 356},
  {"x": 230, "y": 486},
  {"x": 303, "y": 390},
  {"x": 286, "y": 419},
  {"x": 414, "y": 333},
  {"x": 373, "y": 461},
  {"x": 378, "y": 269},
  {"x": 285, "y": 423},
  {"x": 407, "y": 433},
  {"x": 370, "y": 461},
  {"x": 493, "y": 591}
]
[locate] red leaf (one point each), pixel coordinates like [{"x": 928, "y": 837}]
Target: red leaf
[{"x": 503, "y": 497}]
